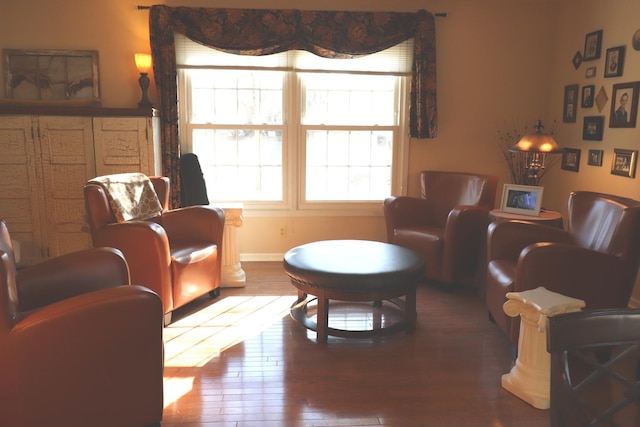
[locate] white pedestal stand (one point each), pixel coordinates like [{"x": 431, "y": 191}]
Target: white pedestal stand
[
  {"x": 529, "y": 379},
  {"x": 233, "y": 275}
]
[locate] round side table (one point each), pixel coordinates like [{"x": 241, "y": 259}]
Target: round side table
[{"x": 551, "y": 218}]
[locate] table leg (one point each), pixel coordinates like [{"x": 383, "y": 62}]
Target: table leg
[
  {"x": 410, "y": 314},
  {"x": 322, "y": 319}
]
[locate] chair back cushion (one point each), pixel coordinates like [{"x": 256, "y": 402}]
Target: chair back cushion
[
  {"x": 131, "y": 196},
  {"x": 446, "y": 190}
]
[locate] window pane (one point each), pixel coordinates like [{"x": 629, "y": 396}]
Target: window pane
[
  {"x": 349, "y": 99},
  {"x": 348, "y": 165}
]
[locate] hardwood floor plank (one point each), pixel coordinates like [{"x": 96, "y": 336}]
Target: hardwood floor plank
[{"x": 241, "y": 360}]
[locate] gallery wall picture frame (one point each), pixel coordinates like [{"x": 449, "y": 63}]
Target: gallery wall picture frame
[
  {"x": 592, "y": 45},
  {"x": 570, "y": 103},
  {"x": 595, "y": 157},
  {"x": 590, "y": 72},
  {"x": 614, "y": 61},
  {"x": 601, "y": 99},
  {"x": 624, "y": 105},
  {"x": 51, "y": 76},
  {"x": 521, "y": 199},
  {"x": 593, "y": 128},
  {"x": 588, "y": 94},
  {"x": 571, "y": 159},
  {"x": 624, "y": 162},
  {"x": 577, "y": 60}
]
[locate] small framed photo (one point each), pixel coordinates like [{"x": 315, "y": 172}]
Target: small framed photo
[
  {"x": 593, "y": 128},
  {"x": 577, "y": 60},
  {"x": 614, "y": 62},
  {"x": 571, "y": 159},
  {"x": 595, "y": 158},
  {"x": 570, "y": 103},
  {"x": 521, "y": 199},
  {"x": 588, "y": 93},
  {"x": 624, "y": 105},
  {"x": 590, "y": 72},
  {"x": 624, "y": 162},
  {"x": 592, "y": 45}
]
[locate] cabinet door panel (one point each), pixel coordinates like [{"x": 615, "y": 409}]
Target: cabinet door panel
[
  {"x": 20, "y": 198},
  {"x": 67, "y": 163},
  {"x": 122, "y": 145}
]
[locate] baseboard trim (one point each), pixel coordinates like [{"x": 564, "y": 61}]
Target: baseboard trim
[{"x": 261, "y": 257}]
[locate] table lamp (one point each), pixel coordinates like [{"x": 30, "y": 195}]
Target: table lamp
[
  {"x": 143, "y": 63},
  {"x": 536, "y": 146}
]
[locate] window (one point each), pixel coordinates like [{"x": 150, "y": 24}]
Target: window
[{"x": 295, "y": 131}]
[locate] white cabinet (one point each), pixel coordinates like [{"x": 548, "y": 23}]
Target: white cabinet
[{"x": 46, "y": 159}]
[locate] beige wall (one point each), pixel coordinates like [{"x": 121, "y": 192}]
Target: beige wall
[{"x": 498, "y": 61}]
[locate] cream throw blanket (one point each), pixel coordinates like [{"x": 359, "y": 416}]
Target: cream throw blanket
[{"x": 131, "y": 195}]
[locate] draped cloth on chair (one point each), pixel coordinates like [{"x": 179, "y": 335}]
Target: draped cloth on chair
[{"x": 330, "y": 34}]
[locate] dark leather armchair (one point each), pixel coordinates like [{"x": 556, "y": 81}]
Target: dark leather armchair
[
  {"x": 78, "y": 345},
  {"x": 176, "y": 253},
  {"x": 447, "y": 225},
  {"x": 595, "y": 368},
  {"x": 595, "y": 259}
]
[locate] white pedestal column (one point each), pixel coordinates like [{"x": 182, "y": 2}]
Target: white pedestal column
[
  {"x": 233, "y": 275},
  {"x": 529, "y": 378}
]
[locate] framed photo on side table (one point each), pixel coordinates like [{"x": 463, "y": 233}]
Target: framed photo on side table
[{"x": 521, "y": 199}]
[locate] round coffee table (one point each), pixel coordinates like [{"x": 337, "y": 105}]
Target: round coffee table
[{"x": 353, "y": 270}]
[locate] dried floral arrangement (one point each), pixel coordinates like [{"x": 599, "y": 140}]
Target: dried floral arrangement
[{"x": 517, "y": 162}]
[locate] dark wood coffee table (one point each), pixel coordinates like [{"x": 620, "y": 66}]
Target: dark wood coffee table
[{"x": 353, "y": 270}]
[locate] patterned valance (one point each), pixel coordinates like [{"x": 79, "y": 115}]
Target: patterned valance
[{"x": 331, "y": 34}]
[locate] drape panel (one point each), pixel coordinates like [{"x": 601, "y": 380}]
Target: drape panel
[{"x": 331, "y": 34}]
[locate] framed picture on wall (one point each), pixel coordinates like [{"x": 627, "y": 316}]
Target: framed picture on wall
[
  {"x": 624, "y": 105},
  {"x": 570, "y": 103},
  {"x": 593, "y": 128},
  {"x": 571, "y": 159},
  {"x": 624, "y": 162},
  {"x": 588, "y": 93},
  {"x": 614, "y": 62},
  {"x": 595, "y": 158},
  {"x": 592, "y": 45}
]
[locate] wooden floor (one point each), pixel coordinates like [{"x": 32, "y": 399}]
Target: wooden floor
[{"x": 241, "y": 360}]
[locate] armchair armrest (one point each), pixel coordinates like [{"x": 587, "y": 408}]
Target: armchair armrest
[
  {"x": 464, "y": 236},
  {"x": 404, "y": 211},
  {"x": 70, "y": 275},
  {"x": 195, "y": 223},
  {"x": 573, "y": 271},
  {"x": 507, "y": 238},
  {"x": 116, "y": 339}
]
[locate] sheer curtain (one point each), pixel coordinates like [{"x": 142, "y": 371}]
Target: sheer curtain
[{"x": 331, "y": 34}]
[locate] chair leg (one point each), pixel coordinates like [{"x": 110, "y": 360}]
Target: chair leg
[
  {"x": 167, "y": 318},
  {"x": 214, "y": 293}
]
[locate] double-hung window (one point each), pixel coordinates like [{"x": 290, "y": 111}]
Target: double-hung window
[{"x": 294, "y": 131}]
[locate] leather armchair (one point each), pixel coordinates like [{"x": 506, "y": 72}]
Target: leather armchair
[
  {"x": 79, "y": 346},
  {"x": 177, "y": 253},
  {"x": 447, "y": 224},
  {"x": 595, "y": 259}
]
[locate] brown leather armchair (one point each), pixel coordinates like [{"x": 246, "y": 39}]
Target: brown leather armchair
[
  {"x": 176, "y": 253},
  {"x": 596, "y": 259},
  {"x": 447, "y": 225},
  {"x": 78, "y": 345}
]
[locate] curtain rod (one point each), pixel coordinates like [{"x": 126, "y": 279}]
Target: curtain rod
[{"x": 437, "y": 14}]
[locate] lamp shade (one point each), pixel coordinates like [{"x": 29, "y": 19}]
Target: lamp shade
[
  {"x": 143, "y": 62},
  {"x": 537, "y": 142}
]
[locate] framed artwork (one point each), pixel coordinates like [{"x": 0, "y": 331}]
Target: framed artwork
[
  {"x": 521, "y": 199},
  {"x": 601, "y": 99},
  {"x": 590, "y": 73},
  {"x": 624, "y": 105},
  {"x": 624, "y": 162},
  {"x": 592, "y": 46},
  {"x": 51, "y": 75},
  {"x": 595, "y": 158},
  {"x": 570, "y": 103},
  {"x": 571, "y": 159},
  {"x": 593, "y": 128},
  {"x": 588, "y": 94},
  {"x": 614, "y": 62},
  {"x": 577, "y": 60}
]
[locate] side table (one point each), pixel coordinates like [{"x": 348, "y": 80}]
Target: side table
[
  {"x": 529, "y": 378},
  {"x": 551, "y": 218},
  {"x": 233, "y": 276}
]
